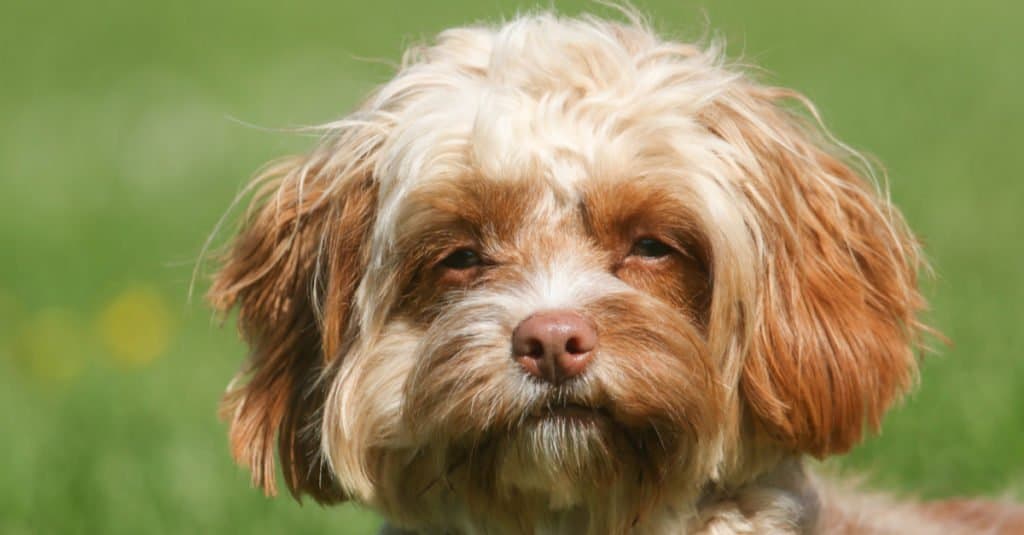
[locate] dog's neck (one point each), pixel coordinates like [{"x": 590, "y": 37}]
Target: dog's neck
[{"x": 783, "y": 500}]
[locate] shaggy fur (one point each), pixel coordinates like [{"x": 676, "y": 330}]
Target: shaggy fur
[{"x": 776, "y": 317}]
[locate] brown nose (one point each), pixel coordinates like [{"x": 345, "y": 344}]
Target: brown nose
[{"x": 554, "y": 345}]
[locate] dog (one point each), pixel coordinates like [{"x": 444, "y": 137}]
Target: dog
[{"x": 562, "y": 275}]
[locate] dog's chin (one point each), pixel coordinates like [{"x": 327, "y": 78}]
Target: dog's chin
[
  {"x": 559, "y": 454},
  {"x": 569, "y": 438},
  {"x": 564, "y": 452}
]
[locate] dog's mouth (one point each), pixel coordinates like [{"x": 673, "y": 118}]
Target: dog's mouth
[{"x": 570, "y": 412}]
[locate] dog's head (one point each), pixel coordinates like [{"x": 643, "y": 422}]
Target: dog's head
[{"x": 560, "y": 256}]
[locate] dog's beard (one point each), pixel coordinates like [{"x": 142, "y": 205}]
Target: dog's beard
[
  {"x": 565, "y": 458},
  {"x": 637, "y": 418},
  {"x": 571, "y": 452},
  {"x": 573, "y": 461}
]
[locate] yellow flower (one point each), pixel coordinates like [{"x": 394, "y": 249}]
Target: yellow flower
[{"x": 135, "y": 326}]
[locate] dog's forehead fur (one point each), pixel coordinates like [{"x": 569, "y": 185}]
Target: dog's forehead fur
[{"x": 543, "y": 98}]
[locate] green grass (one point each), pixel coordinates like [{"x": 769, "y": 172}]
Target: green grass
[{"x": 123, "y": 139}]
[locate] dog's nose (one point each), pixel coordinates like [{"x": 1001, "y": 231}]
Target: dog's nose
[{"x": 554, "y": 345}]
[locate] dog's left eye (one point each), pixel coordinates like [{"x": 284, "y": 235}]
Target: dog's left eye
[
  {"x": 650, "y": 248},
  {"x": 462, "y": 259}
]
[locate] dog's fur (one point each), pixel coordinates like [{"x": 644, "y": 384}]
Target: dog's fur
[{"x": 780, "y": 323}]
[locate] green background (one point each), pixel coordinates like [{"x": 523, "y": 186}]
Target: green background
[{"x": 126, "y": 128}]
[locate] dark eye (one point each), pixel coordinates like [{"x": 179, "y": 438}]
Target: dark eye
[
  {"x": 650, "y": 248},
  {"x": 462, "y": 259}
]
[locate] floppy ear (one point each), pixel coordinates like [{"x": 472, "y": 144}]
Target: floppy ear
[
  {"x": 834, "y": 328},
  {"x": 302, "y": 244}
]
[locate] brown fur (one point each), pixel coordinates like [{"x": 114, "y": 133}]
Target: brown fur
[
  {"x": 837, "y": 329},
  {"x": 981, "y": 516},
  {"x": 618, "y": 214},
  {"x": 271, "y": 274}
]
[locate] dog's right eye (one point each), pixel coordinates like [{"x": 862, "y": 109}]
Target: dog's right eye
[{"x": 462, "y": 259}]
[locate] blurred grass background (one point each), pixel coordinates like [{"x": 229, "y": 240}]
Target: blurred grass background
[{"x": 123, "y": 138}]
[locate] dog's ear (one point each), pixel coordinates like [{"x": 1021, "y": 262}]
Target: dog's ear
[
  {"x": 833, "y": 331},
  {"x": 302, "y": 245}
]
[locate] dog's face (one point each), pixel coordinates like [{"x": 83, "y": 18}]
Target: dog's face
[
  {"x": 558, "y": 261},
  {"x": 541, "y": 333}
]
